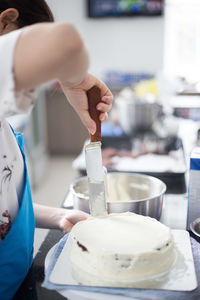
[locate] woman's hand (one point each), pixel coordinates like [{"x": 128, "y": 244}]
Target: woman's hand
[
  {"x": 57, "y": 218},
  {"x": 77, "y": 97},
  {"x": 71, "y": 218}
]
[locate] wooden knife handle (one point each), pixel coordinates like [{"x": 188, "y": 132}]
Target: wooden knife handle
[{"x": 94, "y": 97}]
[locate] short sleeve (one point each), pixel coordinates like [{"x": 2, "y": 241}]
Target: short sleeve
[{"x": 10, "y": 101}]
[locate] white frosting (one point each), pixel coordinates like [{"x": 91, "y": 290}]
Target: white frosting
[{"x": 120, "y": 249}]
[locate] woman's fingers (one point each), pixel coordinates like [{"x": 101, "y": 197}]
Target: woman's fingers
[
  {"x": 67, "y": 226},
  {"x": 104, "y": 107},
  {"x": 103, "y": 117},
  {"x": 107, "y": 99},
  {"x": 90, "y": 81},
  {"x": 77, "y": 96}
]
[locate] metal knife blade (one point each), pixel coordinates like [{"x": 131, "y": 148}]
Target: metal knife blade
[{"x": 93, "y": 156}]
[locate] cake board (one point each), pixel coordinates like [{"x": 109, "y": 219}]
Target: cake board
[{"x": 61, "y": 277}]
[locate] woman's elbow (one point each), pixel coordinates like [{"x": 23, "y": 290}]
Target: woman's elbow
[{"x": 70, "y": 40}]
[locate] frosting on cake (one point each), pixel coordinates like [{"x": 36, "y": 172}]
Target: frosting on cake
[{"x": 119, "y": 249}]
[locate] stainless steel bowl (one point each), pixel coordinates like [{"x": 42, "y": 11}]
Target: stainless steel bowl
[
  {"x": 195, "y": 227},
  {"x": 132, "y": 192}
]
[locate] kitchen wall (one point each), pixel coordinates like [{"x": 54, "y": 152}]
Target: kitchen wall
[{"x": 126, "y": 44}]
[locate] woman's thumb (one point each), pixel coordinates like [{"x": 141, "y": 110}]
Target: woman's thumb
[{"x": 88, "y": 122}]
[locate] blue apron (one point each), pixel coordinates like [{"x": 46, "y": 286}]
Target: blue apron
[{"x": 16, "y": 250}]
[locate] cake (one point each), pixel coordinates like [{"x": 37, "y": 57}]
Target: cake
[{"x": 119, "y": 250}]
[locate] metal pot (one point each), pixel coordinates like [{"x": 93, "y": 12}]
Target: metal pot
[
  {"x": 141, "y": 194},
  {"x": 195, "y": 227},
  {"x": 137, "y": 114}
]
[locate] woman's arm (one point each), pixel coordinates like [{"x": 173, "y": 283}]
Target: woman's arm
[
  {"x": 49, "y": 51},
  {"x": 56, "y": 51},
  {"x": 57, "y": 218}
]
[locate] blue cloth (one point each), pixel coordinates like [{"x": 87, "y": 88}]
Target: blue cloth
[
  {"x": 47, "y": 284},
  {"x": 16, "y": 250},
  {"x": 195, "y": 164},
  {"x": 128, "y": 292}
]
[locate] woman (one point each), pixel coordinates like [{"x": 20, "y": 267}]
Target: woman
[{"x": 28, "y": 57}]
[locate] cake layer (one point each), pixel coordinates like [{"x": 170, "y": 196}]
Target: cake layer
[{"x": 120, "y": 247}]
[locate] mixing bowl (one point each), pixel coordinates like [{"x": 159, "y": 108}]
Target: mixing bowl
[
  {"x": 141, "y": 194},
  {"x": 195, "y": 227}
]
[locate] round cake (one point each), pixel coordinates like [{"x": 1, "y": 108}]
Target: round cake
[{"x": 119, "y": 250}]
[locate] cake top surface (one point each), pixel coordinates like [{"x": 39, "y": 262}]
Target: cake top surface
[{"x": 123, "y": 233}]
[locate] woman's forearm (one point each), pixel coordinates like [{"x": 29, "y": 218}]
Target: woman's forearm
[
  {"x": 49, "y": 51},
  {"x": 48, "y": 217},
  {"x": 57, "y": 218}
]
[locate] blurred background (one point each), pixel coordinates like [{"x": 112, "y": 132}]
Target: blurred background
[{"x": 148, "y": 53}]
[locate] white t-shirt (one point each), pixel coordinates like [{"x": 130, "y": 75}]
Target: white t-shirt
[{"x": 11, "y": 160}]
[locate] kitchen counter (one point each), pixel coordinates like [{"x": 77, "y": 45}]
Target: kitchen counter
[
  {"x": 31, "y": 288},
  {"x": 174, "y": 215}
]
